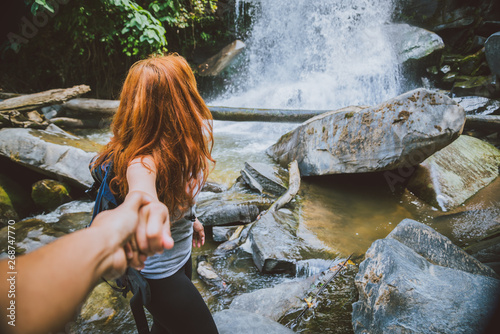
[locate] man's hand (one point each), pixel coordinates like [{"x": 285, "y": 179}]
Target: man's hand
[{"x": 139, "y": 227}]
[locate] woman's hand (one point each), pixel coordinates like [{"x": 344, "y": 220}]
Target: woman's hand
[{"x": 198, "y": 234}]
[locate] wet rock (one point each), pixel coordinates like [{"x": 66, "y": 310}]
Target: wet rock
[
  {"x": 49, "y": 194},
  {"x": 484, "y": 85},
  {"x": 242, "y": 322},
  {"x": 53, "y": 153},
  {"x": 213, "y": 187},
  {"x": 104, "y": 311},
  {"x": 275, "y": 245},
  {"x": 492, "y": 50},
  {"x": 402, "y": 289},
  {"x": 265, "y": 178},
  {"x": 274, "y": 302},
  {"x": 207, "y": 273},
  {"x": 451, "y": 176},
  {"x": 413, "y": 43},
  {"x": 38, "y": 231},
  {"x": 216, "y": 64},
  {"x": 222, "y": 233},
  {"x": 232, "y": 244},
  {"x": 19, "y": 194},
  {"x": 400, "y": 132},
  {"x": 230, "y": 208},
  {"x": 477, "y": 105},
  {"x": 7, "y": 211}
]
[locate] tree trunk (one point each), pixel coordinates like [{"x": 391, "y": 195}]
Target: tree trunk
[{"x": 42, "y": 99}]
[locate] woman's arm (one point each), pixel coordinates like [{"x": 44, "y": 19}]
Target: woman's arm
[{"x": 141, "y": 176}]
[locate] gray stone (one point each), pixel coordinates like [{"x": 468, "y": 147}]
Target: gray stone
[
  {"x": 274, "y": 302},
  {"x": 207, "y": 273},
  {"x": 400, "y": 132},
  {"x": 242, "y": 322},
  {"x": 492, "y": 50},
  {"x": 265, "y": 178},
  {"x": 213, "y": 187},
  {"x": 436, "y": 248},
  {"x": 275, "y": 246},
  {"x": 49, "y": 194},
  {"x": 401, "y": 291},
  {"x": 56, "y": 155},
  {"x": 222, "y": 233},
  {"x": 452, "y": 175},
  {"x": 412, "y": 43},
  {"x": 216, "y": 64},
  {"x": 230, "y": 208},
  {"x": 477, "y": 105},
  {"x": 104, "y": 311},
  {"x": 38, "y": 231}
]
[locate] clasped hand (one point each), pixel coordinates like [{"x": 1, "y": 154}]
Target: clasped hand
[{"x": 141, "y": 228}]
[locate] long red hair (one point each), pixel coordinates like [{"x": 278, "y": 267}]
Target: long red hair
[{"x": 162, "y": 114}]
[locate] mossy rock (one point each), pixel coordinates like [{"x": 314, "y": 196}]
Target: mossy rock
[
  {"x": 49, "y": 194},
  {"x": 19, "y": 196},
  {"x": 7, "y": 211},
  {"x": 105, "y": 311}
]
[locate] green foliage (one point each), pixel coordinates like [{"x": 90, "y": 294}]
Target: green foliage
[{"x": 96, "y": 41}]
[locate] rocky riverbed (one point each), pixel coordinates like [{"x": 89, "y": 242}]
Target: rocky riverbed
[{"x": 264, "y": 268}]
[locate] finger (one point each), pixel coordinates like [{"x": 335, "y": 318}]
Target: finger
[
  {"x": 128, "y": 251},
  {"x": 141, "y": 234},
  {"x": 167, "y": 240},
  {"x": 136, "y": 199},
  {"x": 158, "y": 217}
]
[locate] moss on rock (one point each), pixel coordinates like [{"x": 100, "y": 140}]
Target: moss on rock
[{"x": 49, "y": 194}]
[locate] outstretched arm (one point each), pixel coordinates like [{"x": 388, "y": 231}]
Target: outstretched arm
[{"x": 52, "y": 282}]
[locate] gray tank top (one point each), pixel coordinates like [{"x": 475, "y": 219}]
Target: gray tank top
[{"x": 171, "y": 260}]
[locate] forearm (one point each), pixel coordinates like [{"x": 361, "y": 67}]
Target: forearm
[{"x": 53, "y": 281}]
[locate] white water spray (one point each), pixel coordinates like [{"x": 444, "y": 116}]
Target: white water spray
[{"x": 315, "y": 54}]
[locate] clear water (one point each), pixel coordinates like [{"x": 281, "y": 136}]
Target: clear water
[{"x": 322, "y": 54}]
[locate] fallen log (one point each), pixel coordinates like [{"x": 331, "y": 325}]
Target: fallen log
[
  {"x": 42, "y": 99},
  {"x": 106, "y": 107},
  {"x": 5, "y": 95},
  {"x": 109, "y": 107},
  {"x": 263, "y": 115},
  {"x": 293, "y": 187},
  {"x": 74, "y": 123},
  {"x": 483, "y": 122}
]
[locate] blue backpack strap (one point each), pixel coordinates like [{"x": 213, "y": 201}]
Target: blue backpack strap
[{"x": 105, "y": 199}]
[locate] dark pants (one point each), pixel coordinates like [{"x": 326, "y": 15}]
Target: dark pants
[{"x": 177, "y": 306}]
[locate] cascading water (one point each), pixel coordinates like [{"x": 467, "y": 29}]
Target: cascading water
[{"x": 321, "y": 54}]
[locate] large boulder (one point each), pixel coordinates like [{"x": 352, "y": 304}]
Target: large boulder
[
  {"x": 54, "y": 153},
  {"x": 452, "y": 175},
  {"x": 492, "y": 50},
  {"x": 243, "y": 322},
  {"x": 417, "y": 281},
  {"x": 400, "y": 132},
  {"x": 414, "y": 43},
  {"x": 276, "y": 301},
  {"x": 274, "y": 241}
]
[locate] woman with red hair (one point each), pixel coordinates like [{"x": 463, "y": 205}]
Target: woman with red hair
[{"x": 161, "y": 145}]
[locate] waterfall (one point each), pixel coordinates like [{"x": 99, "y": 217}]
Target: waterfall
[{"x": 314, "y": 54}]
